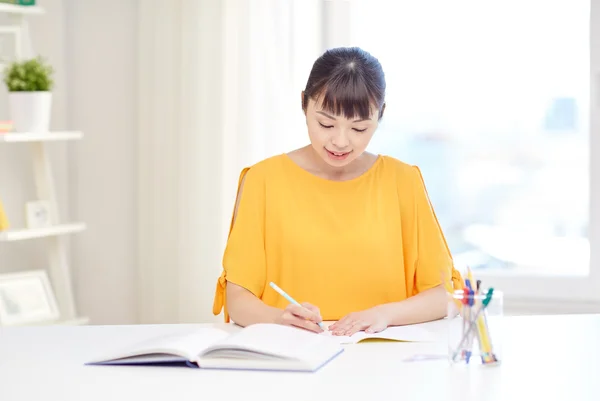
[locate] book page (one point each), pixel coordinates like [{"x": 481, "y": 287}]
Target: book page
[
  {"x": 414, "y": 333},
  {"x": 186, "y": 345},
  {"x": 194, "y": 343},
  {"x": 270, "y": 339}
]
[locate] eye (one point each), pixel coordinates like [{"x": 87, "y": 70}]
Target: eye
[
  {"x": 359, "y": 130},
  {"x": 326, "y": 126}
]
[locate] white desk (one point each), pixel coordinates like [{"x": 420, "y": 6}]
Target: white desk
[{"x": 545, "y": 358}]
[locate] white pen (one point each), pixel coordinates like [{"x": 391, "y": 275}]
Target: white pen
[{"x": 292, "y": 300}]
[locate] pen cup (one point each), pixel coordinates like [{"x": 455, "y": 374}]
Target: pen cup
[{"x": 475, "y": 327}]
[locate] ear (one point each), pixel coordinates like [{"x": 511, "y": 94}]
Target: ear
[
  {"x": 302, "y": 102},
  {"x": 382, "y": 110}
]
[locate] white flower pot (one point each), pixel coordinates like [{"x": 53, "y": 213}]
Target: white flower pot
[{"x": 30, "y": 111}]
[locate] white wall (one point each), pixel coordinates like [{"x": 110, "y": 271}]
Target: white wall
[
  {"x": 92, "y": 45},
  {"x": 101, "y": 61}
]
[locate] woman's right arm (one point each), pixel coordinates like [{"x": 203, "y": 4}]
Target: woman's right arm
[
  {"x": 243, "y": 306},
  {"x": 246, "y": 309}
]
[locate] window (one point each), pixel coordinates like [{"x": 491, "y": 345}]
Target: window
[{"x": 492, "y": 102}]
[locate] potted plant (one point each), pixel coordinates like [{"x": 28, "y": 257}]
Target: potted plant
[{"x": 29, "y": 83}]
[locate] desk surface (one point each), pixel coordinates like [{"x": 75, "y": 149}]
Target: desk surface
[{"x": 545, "y": 357}]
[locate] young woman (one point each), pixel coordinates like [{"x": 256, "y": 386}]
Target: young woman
[{"x": 350, "y": 233}]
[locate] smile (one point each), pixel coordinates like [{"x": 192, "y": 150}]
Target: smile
[{"x": 337, "y": 155}]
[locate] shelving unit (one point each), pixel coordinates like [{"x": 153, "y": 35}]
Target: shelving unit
[
  {"x": 33, "y": 233},
  {"x": 72, "y": 322},
  {"x": 58, "y": 266},
  {"x": 20, "y": 10},
  {"x": 43, "y": 137}
]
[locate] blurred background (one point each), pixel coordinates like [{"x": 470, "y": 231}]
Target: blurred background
[{"x": 174, "y": 97}]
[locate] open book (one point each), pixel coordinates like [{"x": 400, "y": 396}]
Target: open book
[
  {"x": 409, "y": 333},
  {"x": 256, "y": 347}
]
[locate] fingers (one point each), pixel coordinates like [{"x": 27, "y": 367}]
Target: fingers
[
  {"x": 344, "y": 322},
  {"x": 371, "y": 321},
  {"x": 304, "y": 313},
  {"x": 343, "y": 325},
  {"x": 356, "y": 327},
  {"x": 302, "y": 317},
  {"x": 334, "y": 326},
  {"x": 350, "y": 327},
  {"x": 312, "y": 308},
  {"x": 305, "y": 324}
]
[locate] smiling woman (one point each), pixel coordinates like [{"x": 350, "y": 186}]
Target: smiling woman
[
  {"x": 351, "y": 232},
  {"x": 348, "y": 83}
]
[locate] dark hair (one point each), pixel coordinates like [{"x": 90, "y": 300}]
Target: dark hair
[{"x": 350, "y": 80}]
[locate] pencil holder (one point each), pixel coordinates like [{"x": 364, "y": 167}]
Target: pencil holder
[{"x": 475, "y": 327}]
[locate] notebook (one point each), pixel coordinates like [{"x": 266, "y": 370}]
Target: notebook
[
  {"x": 256, "y": 347},
  {"x": 409, "y": 333}
]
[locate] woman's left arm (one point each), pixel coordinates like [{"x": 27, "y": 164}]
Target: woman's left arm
[
  {"x": 433, "y": 265},
  {"x": 426, "y": 306}
]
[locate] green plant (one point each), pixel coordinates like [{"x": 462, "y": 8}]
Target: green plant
[{"x": 32, "y": 75}]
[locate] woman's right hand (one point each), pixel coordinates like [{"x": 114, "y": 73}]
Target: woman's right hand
[{"x": 306, "y": 316}]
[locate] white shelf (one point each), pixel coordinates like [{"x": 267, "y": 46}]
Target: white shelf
[
  {"x": 31, "y": 233},
  {"x": 12, "y": 137},
  {"x": 16, "y": 9},
  {"x": 78, "y": 321}
]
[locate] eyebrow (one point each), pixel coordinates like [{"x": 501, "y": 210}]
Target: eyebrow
[{"x": 333, "y": 118}]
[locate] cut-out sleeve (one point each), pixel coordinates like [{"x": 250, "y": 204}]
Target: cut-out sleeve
[
  {"x": 244, "y": 261},
  {"x": 434, "y": 260}
]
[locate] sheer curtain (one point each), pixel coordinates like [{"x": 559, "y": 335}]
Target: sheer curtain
[{"x": 219, "y": 88}]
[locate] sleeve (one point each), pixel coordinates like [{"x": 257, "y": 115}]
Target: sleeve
[
  {"x": 244, "y": 258},
  {"x": 434, "y": 260}
]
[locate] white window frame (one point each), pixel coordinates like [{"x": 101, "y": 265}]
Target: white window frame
[
  {"x": 571, "y": 288},
  {"x": 521, "y": 288}
]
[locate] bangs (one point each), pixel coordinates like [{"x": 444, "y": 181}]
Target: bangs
[{"x": 347, "y": 96}]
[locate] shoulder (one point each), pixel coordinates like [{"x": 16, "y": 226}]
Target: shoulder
[
  {"x": 396, "y": 164},
  {"x": 261, "y": 171},
  {"x": 410, "y": 185},
  {"x": 408, "y": 179},
  {"x": 252, "y": 179},
  {"x": 404, "y": 173},
  {"x": 266, "y": 167}
]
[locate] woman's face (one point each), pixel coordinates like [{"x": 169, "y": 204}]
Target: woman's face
[{"x": 336, "y": 139}]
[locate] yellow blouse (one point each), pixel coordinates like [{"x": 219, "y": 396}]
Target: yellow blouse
[{"x": 343, "y": 246}]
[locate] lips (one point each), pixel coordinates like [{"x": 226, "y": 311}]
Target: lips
[{"x": 337, "y": 155}]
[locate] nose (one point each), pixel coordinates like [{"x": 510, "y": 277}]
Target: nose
[{"x": 340, "y": 140}]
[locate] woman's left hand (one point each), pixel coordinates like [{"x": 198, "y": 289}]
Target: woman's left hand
[{"x": 371, "y": 321}]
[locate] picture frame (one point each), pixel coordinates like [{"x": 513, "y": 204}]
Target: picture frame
[
  {"x": 27, "y": 298},
  {"x": 37, "y": 214},
  {"x": 10, "y": 44}
]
